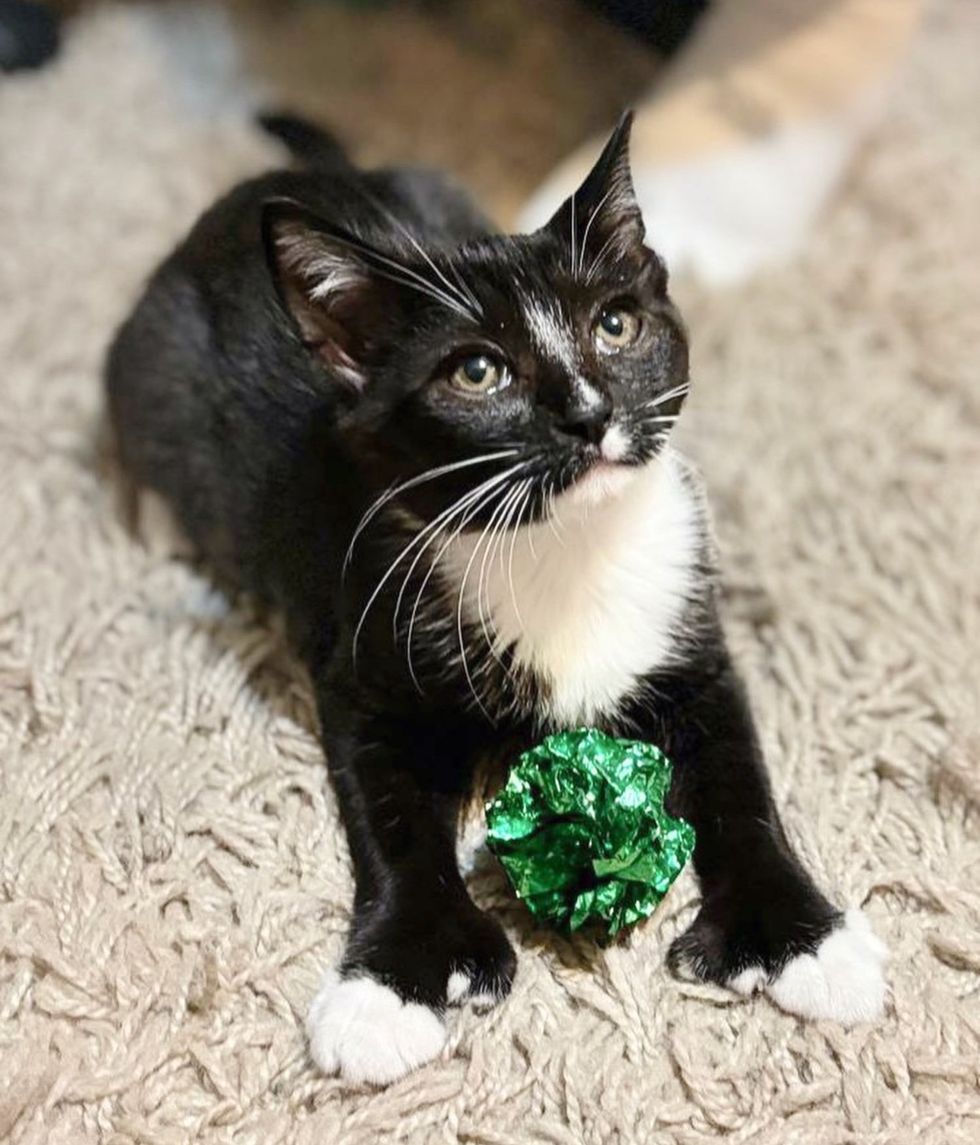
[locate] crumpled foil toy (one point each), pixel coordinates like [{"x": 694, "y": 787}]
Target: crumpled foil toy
[{"x": 581, "y": 830}]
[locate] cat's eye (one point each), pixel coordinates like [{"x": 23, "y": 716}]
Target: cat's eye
[
  {"x": 480, "y": 374},
  {"x": 615, "y": 328}
]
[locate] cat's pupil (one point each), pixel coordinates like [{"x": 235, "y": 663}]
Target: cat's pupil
[
  {"x": 476, "y": 369},
  {"x": 612, "y": 323}
]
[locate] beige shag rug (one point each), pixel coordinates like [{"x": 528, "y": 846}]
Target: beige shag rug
[{"x": 172, "y": 873}]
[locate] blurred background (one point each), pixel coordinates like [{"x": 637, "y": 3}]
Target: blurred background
[
  {"x": 496, "y": 90},
  {"x": 748, "y": 112}
]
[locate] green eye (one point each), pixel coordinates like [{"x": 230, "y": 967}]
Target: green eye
[
  {"x": 615, "y": 328},
  {"x": 479, "y": 374}
]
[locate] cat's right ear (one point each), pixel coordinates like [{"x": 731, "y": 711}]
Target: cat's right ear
[{"x": 324, "y": 278}]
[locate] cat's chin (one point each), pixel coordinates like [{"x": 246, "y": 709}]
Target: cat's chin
[{"x": 602, "y": 481}]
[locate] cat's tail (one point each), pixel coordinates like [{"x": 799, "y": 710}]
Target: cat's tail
[{"x": 310, "y": 144}]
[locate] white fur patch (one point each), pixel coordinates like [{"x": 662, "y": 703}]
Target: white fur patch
[
  {"x": 333, "y": 276},
  {"x": 364, "y": 1031},
  {"x": 586, "y": 393},
  {"x": 327, "y": 271},
  {"x": 615, "y": 443},
  {"x": 457, "y": 987},
  {"x": 592, "y": 598},
  {"x": 843, "y": 981},
  {"x": 471, "y": 846},
  {"x": 550, "y": 333},
  {"x": 750, "y": 981}
]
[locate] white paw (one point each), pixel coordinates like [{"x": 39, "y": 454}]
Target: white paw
[
  {"x": 842, "y": 980},
  {"x": 366, "y": 1032},
  {"x": 750, "y": 981},
  {"x": 459, "y": 990}
]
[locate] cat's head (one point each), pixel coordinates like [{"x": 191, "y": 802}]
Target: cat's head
[{"x": 535, "y": 364}]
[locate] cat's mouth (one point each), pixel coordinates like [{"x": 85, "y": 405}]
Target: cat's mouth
[
  {"x": 600, "y": 481},
  {"x": 605, "y": 471}
]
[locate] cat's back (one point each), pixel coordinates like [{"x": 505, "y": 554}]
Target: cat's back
[{"x": 199, "y": 368}]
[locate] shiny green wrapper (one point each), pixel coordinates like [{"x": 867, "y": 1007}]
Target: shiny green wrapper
[{"x": 581, "y": 830}]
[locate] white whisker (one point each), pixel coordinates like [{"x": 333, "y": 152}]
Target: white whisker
[
  {"x": 676, "y": 392},
  {"x": 419, "y": 479},
  {"x": 444, "y": 519},
  {"x": 470, "y": 511},
  {"x": 588, "y": 226},
  {"x": 459, "y": 621},
  {"x": 549, "y": 499},
  {"x": 530, "y": 530},
  {"x": 498, "y": 523},
  {"x": 435, "y": 524},
  {"x": 454, "y": 291},
  {"x": 407, "y": 276},
  {"x": 596, "y": 262},
  {"x": 573, "y": 259},
  {"x": 464, "y": 286},
  {"x": 524, "y": 502}
]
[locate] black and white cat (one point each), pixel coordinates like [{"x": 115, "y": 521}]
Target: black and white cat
[{"x": 444, "y": 454}]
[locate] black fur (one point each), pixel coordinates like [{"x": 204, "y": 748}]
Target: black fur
[{"x": 272, "y": 421}]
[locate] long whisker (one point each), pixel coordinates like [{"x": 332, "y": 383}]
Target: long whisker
[
  {"x": 573, "y": 260},
  {"x": 530, "y": 527},
  {"x": 428, "y": 290},
  {"x": 435, "y": 524},
  {"x": 444, "y": 520},
  {"x": 525, "y": 501},
  {"x": 588, "y": 226},
  {"x": 515, "y": 501},
  {"x": 411, "y": 278},
  {"x": 470, "y": 510},
  {"x": 549, "y": 498},
  {"x": 501, "y": 514},
  {"x": 459, "y": 620},
  {"x": 597, "y": 261},
  {"x": 454, "y": 291},
  {"x": 464, "y": 286},
  {"x": 408, "y": 276},
  {"x": 675, "y": 392},
  {"x": 411, "y": 483}
]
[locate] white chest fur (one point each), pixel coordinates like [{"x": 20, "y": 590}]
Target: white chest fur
[{"x": 591, "y": 600}]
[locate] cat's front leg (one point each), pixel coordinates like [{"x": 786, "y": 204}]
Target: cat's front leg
[
  {"x": 763, "y": 924},
  {"x": 417, "y": 942}
]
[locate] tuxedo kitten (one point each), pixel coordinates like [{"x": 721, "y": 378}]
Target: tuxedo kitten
[{"x": 444, "y": 454}]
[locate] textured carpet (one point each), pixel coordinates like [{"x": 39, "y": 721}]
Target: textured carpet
[{"x": 172, "y": 875}]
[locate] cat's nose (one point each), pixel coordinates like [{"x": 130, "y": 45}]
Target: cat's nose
[{"x": 587, "y": 420}]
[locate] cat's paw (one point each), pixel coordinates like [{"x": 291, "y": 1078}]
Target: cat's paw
[
  {"x": 442, "y": 956},
  {"x": 842, "y": 979},
  {"x": 830, "y": 969},
  {"x": 383, "y": 1014},
  {"x": 363, "y": 1030}
]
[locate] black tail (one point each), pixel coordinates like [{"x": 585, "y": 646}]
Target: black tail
[{"x": 307, "y": 142}]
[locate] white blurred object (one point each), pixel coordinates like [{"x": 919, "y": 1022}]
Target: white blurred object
[{"x": 751, "y": 129}]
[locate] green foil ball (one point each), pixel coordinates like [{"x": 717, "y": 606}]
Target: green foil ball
[{"x": 581, "y": 830}]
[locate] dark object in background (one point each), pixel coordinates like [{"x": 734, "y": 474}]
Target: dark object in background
[
  {"x": 29, "y": 35},
  {"x": 663, "y": 24}
]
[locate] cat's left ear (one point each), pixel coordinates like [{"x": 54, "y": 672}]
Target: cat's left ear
[
  {"x": 604, "y": 209},
  {"x": 327, "y": 280}
]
